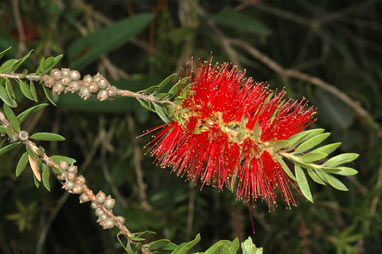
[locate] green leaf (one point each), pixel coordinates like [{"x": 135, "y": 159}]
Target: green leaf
[
  {"x": 334, "y": 182},
  {"x": 5, "y": 97},
  {"x": 32, "y": 89},
  {"x": 158, "y": 244},
  {"x": 313, "y": 156},
  {"x": 285, "y": 168},
  {"x": 312, "y": 142},
  {"x": 36, "y": 182},
  {"x": 48, "y": 94},
  {"x": 58, "y": 158},
  {"x": 248, "y": 247},
  {"x": 185, "y": 247},
  {"x": 224, "y": 246},
  {"x": 45, "y": 176},
  {"x": 21, "y": 164},
  {"x": 9, "y": 89},
  {"x": 233, "y": 19},
  {"x": 314, "y": 176},
  {"x": 47, "y": 64},
  {"x": 3, "y": 130},
  {"x": 19, "y": 62},
  {"x": 8, "y": 147},
  {"x": 2, "y": 53},
  {"x": 157, "y": 88},
  {"x": 303, "y": 183},
  {"x": 23, "y": 115},
  {"x": 47, "y": 136},
  {"x": 174, "y": 89},
  {"x": 105, "y": 40},
  {"x": 327, "y": 148},
  {"x": 345, "y": 171},
  {"x": 299, "y": 137},
  {"x": 12, "y": 118},
  {"x": 340, "y": 159},
  {"x": 25, "y": 89},
  {"x": 160, "y": 111},
  {"x": 6, "y": 67}
]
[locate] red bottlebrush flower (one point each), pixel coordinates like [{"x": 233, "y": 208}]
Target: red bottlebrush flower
[{"x": 223, "y": 130}]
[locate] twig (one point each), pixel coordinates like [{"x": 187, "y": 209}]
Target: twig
[
  {"x": 137, "y": 166},
  {"x": 20, "y": 28},
  {"x": 290, "y": 73},
  {"x": 89, "y": 193}
]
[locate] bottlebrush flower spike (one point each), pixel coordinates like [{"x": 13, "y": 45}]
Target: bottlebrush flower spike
[{"x": 227, "y": 130}]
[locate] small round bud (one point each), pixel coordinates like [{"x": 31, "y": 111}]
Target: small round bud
[
  {"x": 71, "y": 176},
  {"x": 112, "y": 91},
  {"x": 62, "y": 176},
  {"x": 81, "y": 179},
  {"x": 74, "y": 86},
  {"x": 68, "y": 186},
  {"x": 65, "y": 72},
  {"x": 84, "y": 198},
  {"x": 99, "y": 212},
  {"x": 23, "y": 136},
  {"x": 97, "y": 77},
  {"x": 56, "y": 74},
  {"x": 109, "y": 202},
  {"x": 65, "y": 81},
  {"x": 93, "y": 205},
  {"x": 78, "y": 188},
  {"x": 102, "y": 95},
  {"x": 84, "y": 93},
  {"x": 57, "y": 88},
  {"x": 103, "y": 217},
  {"x": 121, "y": 219},
  {"x": 102, "y": 83},
  {"x": 93, "y": 88},
  {"x": 100, "y": 197},
  {"x": 64, "y": 165},
  {"x": 73, "y": 169},
  {"x": 48, "y": 81},
  {"x": 88, "y": 78},
  {"x": 75, "y": 75},
  {"x": 108, "y": 223}
]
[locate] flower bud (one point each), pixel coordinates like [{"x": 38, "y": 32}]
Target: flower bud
[
  {"x": 68, "y": 186},
  {"x": 57, "y": 88},
  {"x": 84, "y": 92},
  {"x": 102, "y": 83},
  {"x": 73, "y": 169},
  {"x": 23, "y": 136},
  {"x": 71, "y": 176},
  {"x": 65, "y": 81},
  {"x": 112, "y": 91},
  {"x": 93, "y": 205},
  {"x": 88, "y": 78},
  {"x": 62, "y": 176},
  {"x": 102, "y": 95},
  {"x": 74, "y": 86},
  {"x": 65, "y": 72},
  {"x": 48, "y": 81},
  {"x": 108, "y": 223},
  {"x": 56, "y": 74},
  {"x": 75, "y": 75},
  {"x": 84, "y": 198},
  {"x": 93, "y": 88},
  {"x": 64, "y": 165},
  {"x": 99, "y": 212},
  {"x": 81, "y": 179},
  {"x": 121, "y": 219},
  {"x": 78, "y": 188},
  {"x": 109, "y": 202},
  {"x": 100, "y": 197}
]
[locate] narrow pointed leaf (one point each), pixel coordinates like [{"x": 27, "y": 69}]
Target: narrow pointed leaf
[
  {"x": 341, "y": 159},
  {"x": 314, "y": 176},
  {"x": 12, "y": 118},
  {"x": 34, "y": 166},
  {"x": 5, "y": 97},
  {"x": 47, "y": 136},
  {"x": 297, "y": 138},
  {"x": 161, "y": 113},
  {"x": 3, "y": 130},
  {"x": 32, "y": 89},
  {"x": 9, "y": 89},
  {"x": 345, "y": 171},
  {"x": 328, "y": 148},
  {"x": 23, "y": 161},
  {"x": 19, "y": 62},
  {"x": 312, "y": 142},
  {"x": 24, "y": 89},
  {"x": 58, "y": 158},
  {"x": 48, "y": 94},
  {"x": 313, "y": 156},
  {"x": 2, "y": 53},
  {"x": 8, "y": 147},
  {"x": 185, "y": 247},
  {"x": 285, "y": 168},
  {"x": 45, "y": 176},
  {"x": 303, "y": 183},
  {"x": 23, "y": 115},
  {"x": 335, "y": 183}
]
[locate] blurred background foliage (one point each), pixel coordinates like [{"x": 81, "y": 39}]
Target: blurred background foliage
[{"x": 137, "y": 43}]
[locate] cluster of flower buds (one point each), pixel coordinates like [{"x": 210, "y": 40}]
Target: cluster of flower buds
[
  {"x": 66, "y": 80},
  {"x": 75, "y": 184}
]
